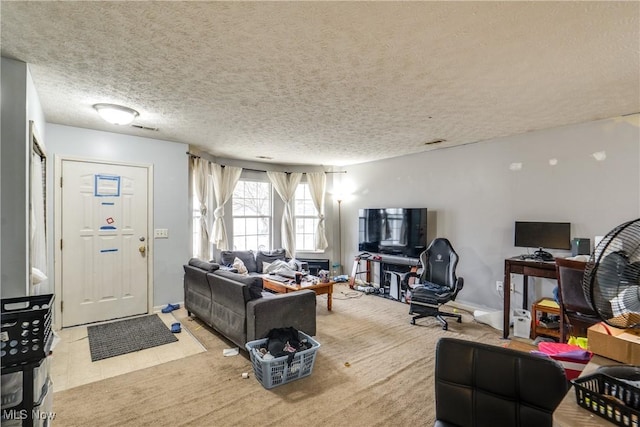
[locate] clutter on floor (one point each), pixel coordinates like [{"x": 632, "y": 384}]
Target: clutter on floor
[
  {"x": 170, "y": 307},
  {"x": 285, "y": 355},
  {"x": 227, "y": 352}
]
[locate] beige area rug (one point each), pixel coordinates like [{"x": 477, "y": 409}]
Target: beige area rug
[{"x": 373, "y": 368}]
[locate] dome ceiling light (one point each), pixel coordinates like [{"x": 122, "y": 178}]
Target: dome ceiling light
[{"x": 116, "y": 114}]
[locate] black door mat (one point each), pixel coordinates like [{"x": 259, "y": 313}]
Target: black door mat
[{"x": 126, "y": 336}]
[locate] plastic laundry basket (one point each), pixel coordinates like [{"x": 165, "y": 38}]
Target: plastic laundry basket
[{"x": 277, "y": 371}]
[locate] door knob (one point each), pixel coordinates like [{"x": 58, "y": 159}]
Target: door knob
[{"x": 142, "y": 249}]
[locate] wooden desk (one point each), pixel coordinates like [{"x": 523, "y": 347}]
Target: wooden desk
[
  {"x": 569, "y": 413},
  {"x": 285, "y": 287},
  {"x": 526, "y": 267}
]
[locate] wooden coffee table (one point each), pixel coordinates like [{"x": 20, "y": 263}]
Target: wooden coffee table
[{"x": 277, "y": 286}]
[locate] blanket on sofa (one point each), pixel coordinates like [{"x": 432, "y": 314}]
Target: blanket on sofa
[{"x": 283, "y": 268}]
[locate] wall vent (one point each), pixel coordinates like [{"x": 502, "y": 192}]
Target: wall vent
[
  {"x": 435, "y": 141},
  {"x": 145, "y": 128}
]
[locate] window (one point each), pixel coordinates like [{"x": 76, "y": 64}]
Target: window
[
  {"x": 252, "y": 215},
  {"x": 306, "y": 219}
]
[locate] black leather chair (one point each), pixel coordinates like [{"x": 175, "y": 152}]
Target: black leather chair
[
  {"x": 438, "y": 282},
  {"x": 483, "y": 385},
  {"x": 576, "y": 314}
]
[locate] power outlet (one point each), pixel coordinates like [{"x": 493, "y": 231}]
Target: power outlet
[
  {"x": 498, "y": 286},
  {"x": 161, "y": 233}
]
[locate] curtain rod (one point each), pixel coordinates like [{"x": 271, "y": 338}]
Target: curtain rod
[{"x": 257, "y": 170}]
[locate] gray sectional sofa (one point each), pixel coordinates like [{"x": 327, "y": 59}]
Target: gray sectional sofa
[{"x": 236, "y": 305}]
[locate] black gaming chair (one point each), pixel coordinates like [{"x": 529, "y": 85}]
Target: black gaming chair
[{"x": 437, "y": 284}]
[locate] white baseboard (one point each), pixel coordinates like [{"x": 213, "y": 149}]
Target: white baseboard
[
  {"x": 466, "y": 306},
  {"x": 490, "y": 316},
  {"x": 158, "y": 308}
]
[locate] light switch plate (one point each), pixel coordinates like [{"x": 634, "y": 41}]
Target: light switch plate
[{"x": 161, "y": 233}]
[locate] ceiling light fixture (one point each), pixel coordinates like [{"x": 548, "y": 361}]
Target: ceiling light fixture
[{"x": 116, "y": 114}]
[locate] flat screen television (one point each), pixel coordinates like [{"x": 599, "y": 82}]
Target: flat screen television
[
  {"x": 393, "y": 231},
  {"x": 542, "y": 235}
]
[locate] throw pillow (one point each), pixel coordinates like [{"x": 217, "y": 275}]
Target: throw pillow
[
  {"x": 248, "y": 258},
  {"x": 239, "y": 265},
  {"x": 269, "y": 257}
]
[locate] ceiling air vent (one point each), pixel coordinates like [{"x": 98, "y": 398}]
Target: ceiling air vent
[
  {"x": 145, "y": 128},
  {"x": 435, "y": 141}
]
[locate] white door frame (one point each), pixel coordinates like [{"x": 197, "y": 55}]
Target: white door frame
[{"x": 57, "y": 213}]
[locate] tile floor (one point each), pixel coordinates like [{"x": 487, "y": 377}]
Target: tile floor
[{"x": 71, "y": 365}]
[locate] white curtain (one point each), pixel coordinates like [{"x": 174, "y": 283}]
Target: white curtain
[
  {"x": 224, "y": 182},
  {"x": 201, "y": 175},
  {"x": 285, "y": 185},
  {"x": 317, "y": 186},
  {"x": 39, "y": 266}
]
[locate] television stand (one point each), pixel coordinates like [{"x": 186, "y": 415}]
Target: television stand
[{"x": 375, "y": 271}]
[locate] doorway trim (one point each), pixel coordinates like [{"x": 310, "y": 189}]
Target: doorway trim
[{"x": 57, "y": 211}]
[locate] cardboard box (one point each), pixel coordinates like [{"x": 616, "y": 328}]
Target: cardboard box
[{"x": 622, "y": 345}]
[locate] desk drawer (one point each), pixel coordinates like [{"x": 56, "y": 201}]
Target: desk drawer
[{"x": 539, "y": 272}]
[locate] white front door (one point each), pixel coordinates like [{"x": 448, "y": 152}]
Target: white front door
[{"x": 104, "y": 221}]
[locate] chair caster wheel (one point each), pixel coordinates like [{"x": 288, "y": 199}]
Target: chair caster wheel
[
  {"x": 459, "y": 320},
  {"x": 413, "y": 321},
  {"x": 445, "y": 327}
]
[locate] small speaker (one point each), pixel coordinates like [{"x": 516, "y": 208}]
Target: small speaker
[{"x": 580, "y": 246}]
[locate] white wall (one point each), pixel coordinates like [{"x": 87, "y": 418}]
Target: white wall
[
  {"x": 20, "y": 104},
  {"x": 170, "y": 198},
  {"x": 477, "y": 197},
  {"x": 34, "y": 110}
]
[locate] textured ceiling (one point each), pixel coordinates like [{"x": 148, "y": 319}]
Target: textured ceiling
[{"x": 330, "y": 83}]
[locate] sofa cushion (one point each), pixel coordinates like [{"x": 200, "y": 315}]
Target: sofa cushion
[
  {"x": 268, "y": 257},
  {"x": 254, "y": 283},
  {"x": 204, "y": 265},
  {"x": 248, "y": 258}
]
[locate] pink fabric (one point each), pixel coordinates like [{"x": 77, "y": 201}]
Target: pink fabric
[
  {"x": 572, "y": 358},
  {"x": 566, "y": 350}
]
